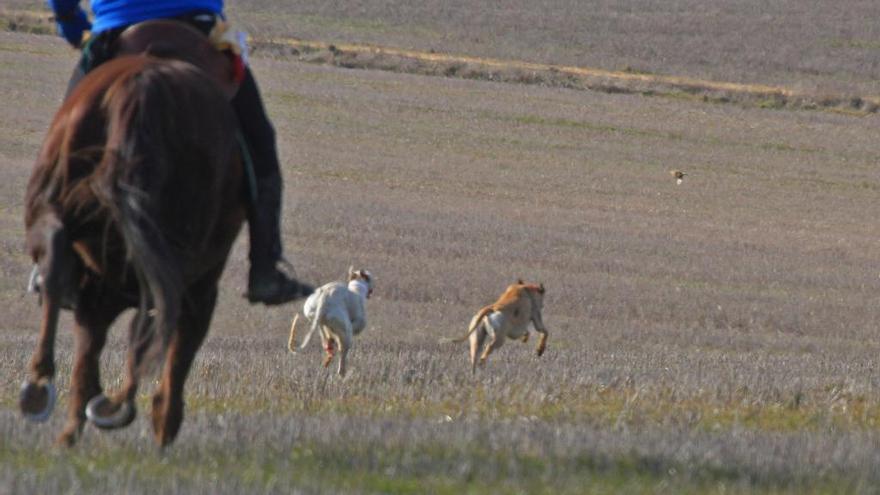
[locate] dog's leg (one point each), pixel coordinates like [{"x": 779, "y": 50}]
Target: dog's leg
[
  {"x": 328, "y": 343},
  {"x": 477, "y": 338},
  {"x": 540, "y": 328},
  {"x": 542, "y": 343},
  {"x": 494, "y": 341},
  {"x": 344, "y": 341}
]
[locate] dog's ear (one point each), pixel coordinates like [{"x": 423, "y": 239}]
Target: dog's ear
[
  {"x": 541, "y": 288},
  {"x": 351, "y": 272},
  {"x": 520, "y": 281}
]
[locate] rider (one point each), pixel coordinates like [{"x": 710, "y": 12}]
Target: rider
[{"x": 267, "y": 282}]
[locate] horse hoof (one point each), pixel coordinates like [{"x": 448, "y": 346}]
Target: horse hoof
[
  {"x": 37, "y": 400},
  {"x": 108, "y": 416}
]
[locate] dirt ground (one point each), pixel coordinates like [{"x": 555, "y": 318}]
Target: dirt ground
[{"x": 718, "y": 335}]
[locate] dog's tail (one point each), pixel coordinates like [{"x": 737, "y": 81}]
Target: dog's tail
[
  {"x": 291, "y": 342},
  {"x": 317, "y": 319},
  {"x": 475, "y": 322}
]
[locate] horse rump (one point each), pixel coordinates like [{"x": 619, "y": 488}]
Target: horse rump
[{"x": 141, "y": 170}]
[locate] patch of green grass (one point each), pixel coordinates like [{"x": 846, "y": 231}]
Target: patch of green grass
[
  {"x": 606, "y": 407},
  {"x": 853, "y": 43},
  {"x": 576, "y": 124},
  {"x": 391, "y": 469},
  {"x": 352, "y": 25},
  {"x": 288, "y": 98},
  {"x": 781, "y": 147},
  {"x": 828, "y": 185},
  {"x": 650, "y": 133},
  {"x": 772, "y": 104},
  {"x": 26, "y": 24}
]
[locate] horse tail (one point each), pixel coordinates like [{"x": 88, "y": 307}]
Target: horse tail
[{"x": 136, "y": 170}]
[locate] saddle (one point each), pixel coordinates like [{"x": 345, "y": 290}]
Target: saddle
[
  {"x": 218, "y": 55},
  {"x": 180, "y": 41}
]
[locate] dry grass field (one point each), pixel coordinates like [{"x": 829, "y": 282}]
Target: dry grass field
[
  {"x": 826, "y": 46},
  {"x": 718, "y": 336}
]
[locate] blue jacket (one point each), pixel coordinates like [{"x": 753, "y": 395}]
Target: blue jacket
[{"x": 111, "y": 14}]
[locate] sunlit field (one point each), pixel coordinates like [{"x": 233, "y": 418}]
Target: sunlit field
[{"x": 718, "y": 336}]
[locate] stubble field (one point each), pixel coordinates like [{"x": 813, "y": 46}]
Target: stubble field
[{"x": 714, "y": 337}]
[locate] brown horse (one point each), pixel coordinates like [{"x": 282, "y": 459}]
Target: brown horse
[{"x": 135, "y": 201}]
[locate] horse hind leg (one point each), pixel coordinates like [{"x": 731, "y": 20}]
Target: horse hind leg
[
  {"x": 92, "y": 324},
  {"x": 168, "y": 405},
  {"x": 118, "y": 411},
  {"x": 56, "y": 265}
]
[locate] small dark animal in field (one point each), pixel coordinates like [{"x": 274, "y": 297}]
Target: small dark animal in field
[
  {"x": 679, "y": 176},
  {"x": 135, "y": 201},
  {"x": 340, "y": 311},
  {"x": 508, "y": 317}
]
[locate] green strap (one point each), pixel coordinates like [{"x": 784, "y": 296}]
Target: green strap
[{"x": 87, "y": 59}]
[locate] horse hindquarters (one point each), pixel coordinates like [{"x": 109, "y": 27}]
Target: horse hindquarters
[
  {"x": 168, "y": 169},
  {"x": 195, "y": 176}
]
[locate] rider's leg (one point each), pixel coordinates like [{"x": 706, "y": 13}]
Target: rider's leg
[
  {"x": 266, "y": 282},
  {"x": 96, "y": 51},
  {"x": 75, "y": 77}
]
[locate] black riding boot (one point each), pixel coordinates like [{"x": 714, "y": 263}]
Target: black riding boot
[{"x": 267, "y": 283}]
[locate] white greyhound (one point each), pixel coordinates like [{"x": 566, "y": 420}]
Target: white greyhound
[{"x": 340, "y": 312}]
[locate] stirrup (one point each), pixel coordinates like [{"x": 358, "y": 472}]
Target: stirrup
[
  {"x": 35, "y": 286},
  {"x": 35, "y": 281}
]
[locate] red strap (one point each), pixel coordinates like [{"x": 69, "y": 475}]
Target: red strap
[{"x": 238, "y": 68}]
